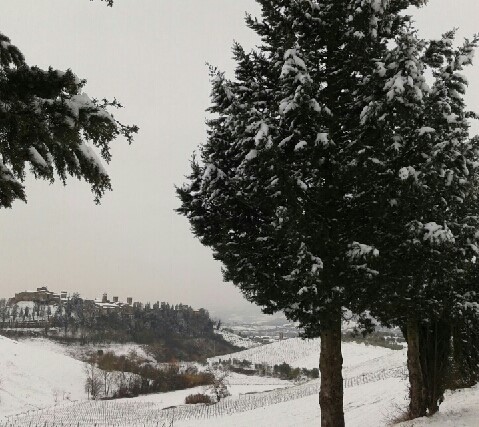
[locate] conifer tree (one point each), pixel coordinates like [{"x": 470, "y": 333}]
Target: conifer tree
[
  {"x": 426, "y": 201},
  {"x": 283, "y": 191},
  {"x": 47, "y": 123}
]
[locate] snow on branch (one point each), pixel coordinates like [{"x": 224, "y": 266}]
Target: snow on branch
[
  {"x": 437, "y": 234},
  {"x": 358, "y": 251}
]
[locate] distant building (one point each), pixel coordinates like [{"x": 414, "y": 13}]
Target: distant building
[
  {"x": 41, "y": 296},
  {"x": 106, "y": 306},
  {"x": 97, "y": 307}
]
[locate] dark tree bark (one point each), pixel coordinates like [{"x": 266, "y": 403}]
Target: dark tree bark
[
  {"x": 417, "y": 389},
  {"x": 436, "y": 360},
  {"x": 331, "y": 365}
]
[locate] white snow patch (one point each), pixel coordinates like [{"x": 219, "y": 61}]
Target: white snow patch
[
  {"x": 437, "y": 234},
  {"x": 360, "y": 250},
  {"x": 406, "y": 172},
  {"x": 33, "y": 377},
  {"x": 426, "y": 130},
  {"x": 300, "y": 145}
]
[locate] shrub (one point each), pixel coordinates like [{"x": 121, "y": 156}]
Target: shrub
[{"x": 198, "y": 398}]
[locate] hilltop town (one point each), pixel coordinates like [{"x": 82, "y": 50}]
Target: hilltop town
[
  {"x": 38, "y": 305},
  {"x": 36, "y": 308},
  {"x": 176, "y": 331}
]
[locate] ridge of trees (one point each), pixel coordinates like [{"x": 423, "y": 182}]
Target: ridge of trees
[{"x": 169, "y": 332}]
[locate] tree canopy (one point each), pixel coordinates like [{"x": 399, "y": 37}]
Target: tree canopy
[
  {"x": 425, "y": 195},
  {"x": 334, "y": 176},
  {"x": 48, "y": 123}
]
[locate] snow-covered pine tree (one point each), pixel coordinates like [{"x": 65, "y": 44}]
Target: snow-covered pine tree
[
  {"x": 282, "y": 193},
  {"x": 49, "y": 123},
  {"x": 426, "y": 199},
  {"x": 463, "y": 367}
]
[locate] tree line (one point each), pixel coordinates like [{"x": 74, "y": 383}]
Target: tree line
[
  {"x": 282, "y": 371},
  {"x": 142, "y": 323}
]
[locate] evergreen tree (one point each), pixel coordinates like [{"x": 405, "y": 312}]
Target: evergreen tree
[
  {"x": 14, "y": 312},
  {"x": 49, "y": 123},
  {"x": 284, "y": 192},
  {"x": 3, "y": 310},
  {"x": 426, "y": 202}
]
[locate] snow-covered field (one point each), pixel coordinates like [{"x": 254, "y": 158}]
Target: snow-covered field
[
  {"x": 40, "y": 375},
  {"x": 460, "y": 409},
  {"x": 236, "y": 340},
  {"x": 34, "y": 377},
  {"x": 305, "y": 353}
]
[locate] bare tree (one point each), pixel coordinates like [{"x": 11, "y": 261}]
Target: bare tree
[
  {"x": 93, "y": 382},
  {"x": 219, "y": 384}
]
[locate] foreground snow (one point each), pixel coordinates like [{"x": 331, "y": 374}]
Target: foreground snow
[
  {"x": 460, "y": 409},
  {"x": 368, "y": 405},
  {"x": 41, "y": 375},
  {"x": 35, "y": 377}
]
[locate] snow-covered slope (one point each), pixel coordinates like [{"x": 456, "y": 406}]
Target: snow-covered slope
[
  {"x": 237, "y": 340},
  {"x": 367, "y": 368},
  {"x": 32, "y": 377},
  {"x": 460, "y": 409},
  {"x": 368, "y": 405},
  {"x": 40, "y": 375},
  {"x": 305, "y": 353}
]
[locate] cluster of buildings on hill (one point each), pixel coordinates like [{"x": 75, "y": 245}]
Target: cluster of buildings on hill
[{"x": 43, "y": 296}]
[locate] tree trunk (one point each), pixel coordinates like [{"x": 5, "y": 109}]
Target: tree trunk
[
  {"x": 417, "y": 390},
  {"x": 437, "y": 366},
  {"x": 331, "y": 365}
]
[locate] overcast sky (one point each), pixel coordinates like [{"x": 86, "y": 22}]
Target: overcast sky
[{"x": 150, "y": 55}]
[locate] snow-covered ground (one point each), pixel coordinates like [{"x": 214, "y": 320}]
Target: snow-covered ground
[
  {"x": 368, "y": 405},
  {"x": 79, "y": 352},
  {"x": 305, "y": 353},
  {"x": 33, "y": 377},
  {"x": 237, "y": 340},
  {"x": 238, "y": 385},
  {"x": 460, "y": 409},
  {"x": 40, "y": 375}
]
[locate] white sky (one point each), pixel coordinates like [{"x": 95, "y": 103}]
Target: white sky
[{"x": 150, "y": 55}]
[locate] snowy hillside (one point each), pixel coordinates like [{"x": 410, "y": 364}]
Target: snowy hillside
[
  {"x": 251, "y": 396},
  {"x": 35, "y": 377},
  {"x": 39, "y": 375},
  {"x": 237, "y": 340},
  {"x": 305, "y": 353}
]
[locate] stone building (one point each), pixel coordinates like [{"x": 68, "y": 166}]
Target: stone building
[{"x": 41, "y": 296}]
